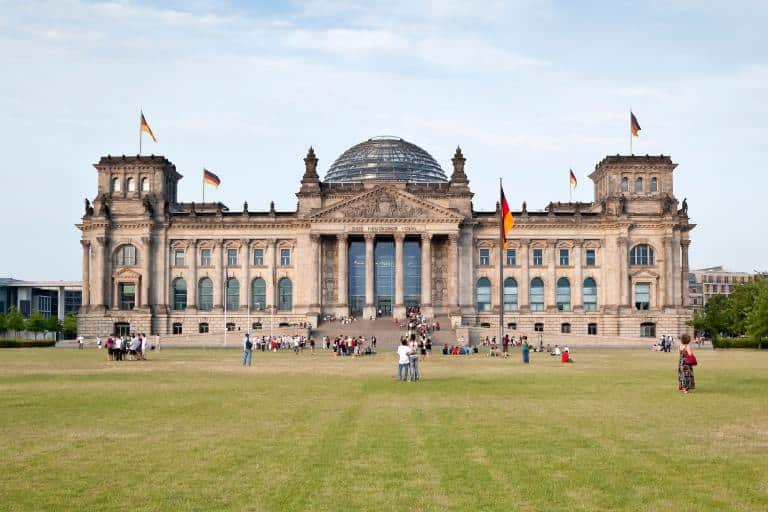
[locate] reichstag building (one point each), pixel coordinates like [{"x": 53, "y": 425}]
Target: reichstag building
[{"x": 385, "y": 229}]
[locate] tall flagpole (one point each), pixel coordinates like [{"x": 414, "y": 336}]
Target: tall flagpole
[
  {"x": 501, "y": 263},
  {"x": 630, "y": 132},
  {"x": 203, "y": 186},
  {"x": 140, "y": 130}
]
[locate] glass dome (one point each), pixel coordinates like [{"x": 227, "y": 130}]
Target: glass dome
[{"x": 385, "y": 158}]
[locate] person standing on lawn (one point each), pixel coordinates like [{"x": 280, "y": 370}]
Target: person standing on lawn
[
  {"x": 685, "y": 364},
  {"x": 247, "y": 350},
  {"x": 403, "y": 360},
  {"x": 525, "y": 349}
]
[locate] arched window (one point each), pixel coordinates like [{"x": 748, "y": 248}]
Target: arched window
[
  {"x": 145, "y": 184},
  {"x": 654, "y": 185},
  {"x": 126, "y": 255},
  {"x": 285, "y": 294},
  {"x": 258, "y": 294},
  {"x": 589, "y": 294},
  {"x": 563, "y": 294},
  {"x": 641, "y": 254},
  {"x": 116, "y": 185},
  {"x": 537, "y": 294},
  {"x": 233, "y": 294},
  {"x": 179, "y": 294},
  {"x": 624, "y": 184},
  {"x": 130, "y": 185},
  {"x": 639, "y": 184},
  {"x": 510, "y": 294},
  {"x": 648, "y": 330},
  {"x": 483, "y": 294},
  {"x": 205, "y": 294}
]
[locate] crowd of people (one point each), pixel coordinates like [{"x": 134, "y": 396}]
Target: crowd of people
[{"x": 122, "y": 348}]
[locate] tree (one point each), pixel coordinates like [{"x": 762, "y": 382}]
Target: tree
[
  {"x": 14, "y": 321},
  {"x": 715, "y": 316},
  {"x": 69, "y": 326},
  {"x": 757, "y": 319},
  {"x": 3, "y": 322},
  {"x": 53, "y": 324},
  {"x": 36, "y": 323}
]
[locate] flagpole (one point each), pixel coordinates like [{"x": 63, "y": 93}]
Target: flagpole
[
  {"x": 203, "y": 187},
  {"x": 501, "y": 263},
  {"x": 140, "y": 130},
  {"x": 630, "y": 132}
]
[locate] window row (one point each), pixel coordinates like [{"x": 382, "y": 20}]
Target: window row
[
  {"x": 130, "y": 184},
  {"x": 536, "y": 294},
  {"x": 537, "y": 257},
  {"x": 206, "y": 257},
  {"x": 653, "y": 184},
  {"x": 258, "y": 296},
  {"x": 204, "y": 327}
]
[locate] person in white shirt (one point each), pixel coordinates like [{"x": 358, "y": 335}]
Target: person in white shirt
[
  {"x": 403, "y": 361},
  {"x": 144, "y": 346}
]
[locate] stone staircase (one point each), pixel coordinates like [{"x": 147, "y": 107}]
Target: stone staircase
[{"x": 387, "y": 332}]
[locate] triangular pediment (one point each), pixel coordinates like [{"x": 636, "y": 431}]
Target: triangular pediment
[
  {"x": 644, "y": 274},
  {"x": 386, "y": 203},
  {"x": 127, "y": 273}
]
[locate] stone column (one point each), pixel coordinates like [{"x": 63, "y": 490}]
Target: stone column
[
  {"x": 218, "y": 272},
  {"x": 272, "y": 280},
  {"x": 101, "y": 271},
  {"x": 314, "y": 299},
  {"x": 426, "y": 270},
  {"x": 550, "y": 283},
  {"x": 245, "y": 268},
  {"x": 86, "y": 274},
  {"x": 145, "y": 270},
  {"x": 453, "y": 257},
  {"x": 192, "y": 285},
  {"x": 399, "y": 310},
  {"x": 342, "y": 288},
  {"x": 578, "y": 277},
  {"x": 684, "y": 273},
  {"x": 525, "y": 275},
  {"x": 668, "y": 299},
  {"x": 60, "y": 312},
  {"x": 624, "y": 291},
  {"x": 370, "y": 307}
]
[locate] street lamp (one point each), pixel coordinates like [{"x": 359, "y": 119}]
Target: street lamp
[{"x": 226, "y": 300}]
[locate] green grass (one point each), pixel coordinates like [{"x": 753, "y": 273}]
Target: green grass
[{"x": 192, "y": 430}]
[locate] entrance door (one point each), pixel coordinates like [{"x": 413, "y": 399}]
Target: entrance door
[
  {"x": 122, "y": 328},
  {"x": 384, "y": 306}
]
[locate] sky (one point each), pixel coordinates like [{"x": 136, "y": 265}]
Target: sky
[{"x": 528, "y": 89}]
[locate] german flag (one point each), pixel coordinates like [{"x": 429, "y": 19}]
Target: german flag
[
  {"x": 507, "y": 221},
  {"x": 144, "y": 127},
  {"x": 210, "y": 178},
  {"x": 634, "y": 126},
  {"x": 573, "y": 179}
]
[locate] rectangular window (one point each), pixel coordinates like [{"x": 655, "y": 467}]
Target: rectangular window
[
  {"x": 564, "y": 257},
  {"x": 642, "y": 295},
  {"x": 72, "y": 301},
  {"x": 538, "y": 257},
  {"x": 592, "y": 329},
  {"x": 485, "y": 257},
  {"x": 285, "y": 257},
  {"x": 231, "y": 257},
  {"x": 44, "y": 305},
  {"x": 178, "y": 258},
  {"x": 177, "y": 329},
  {"x": 205, "y": 258},
  {"x": 127, "y": 293},
  {"x": 591, "y": 258},
  {"x": 511, "y": 257},
  {"x": 258, "y": 257}
]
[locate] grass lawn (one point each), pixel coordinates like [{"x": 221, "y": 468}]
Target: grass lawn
[{"x": 192, "y": 430}]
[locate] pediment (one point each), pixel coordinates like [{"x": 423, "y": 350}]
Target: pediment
[
  {"x": 127, "y": 274},
  {"x": 386, "y": 203},
  {"x": 644, "y": 274}
]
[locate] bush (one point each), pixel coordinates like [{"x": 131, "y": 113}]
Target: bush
[
  {"x": 738, "y": 343},
  {"x": 20, "y": 343}
]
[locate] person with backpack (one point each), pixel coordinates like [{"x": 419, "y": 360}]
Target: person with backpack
[{"x": 247, "y": 350}]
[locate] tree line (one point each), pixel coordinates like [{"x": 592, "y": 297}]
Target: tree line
[
  {"x": 742, "y": 313},
  {"x": 13, "y": 321}
]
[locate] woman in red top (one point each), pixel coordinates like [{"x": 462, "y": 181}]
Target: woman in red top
[{"x": 685, "y": 379}]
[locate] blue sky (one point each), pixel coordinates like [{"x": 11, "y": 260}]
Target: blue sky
[{"x": 528, "y": 89}]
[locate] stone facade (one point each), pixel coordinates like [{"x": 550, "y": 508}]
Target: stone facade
[{"x": 144, "y": 251}]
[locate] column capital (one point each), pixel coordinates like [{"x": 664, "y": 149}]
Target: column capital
[
  {"x": 578, "y": 242},
  {"x": 369, "y": 237},
  {"x": 685, "y": 243},
  {"x": 193, "y": 243},
  {"x": 622, "y": 240},
  {"x": 427, "y": 236},
  {"x": 399, "y": 237},
  {"x": 246, "y": 242},
  {"x": 146, "y": 240},
  {"x": 315, "y": 237},
  {"x": 552, "y": 242},
  {"x": 341, "y": 237},
  {"x": 85, "y": 243},
  {"x": 453, "y": 237},
  {"x": 524, "y": 242},
  {"x": 102, "y": 240},
  {"x": 272, "y": 242},
  {"x": 218, "y": 243}
]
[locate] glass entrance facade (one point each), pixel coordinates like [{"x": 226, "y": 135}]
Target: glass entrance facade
[
  {"x": 384, "y": 276},
  {"x": 412, "y": 275},
  {"x": 356, "y": 265}
]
